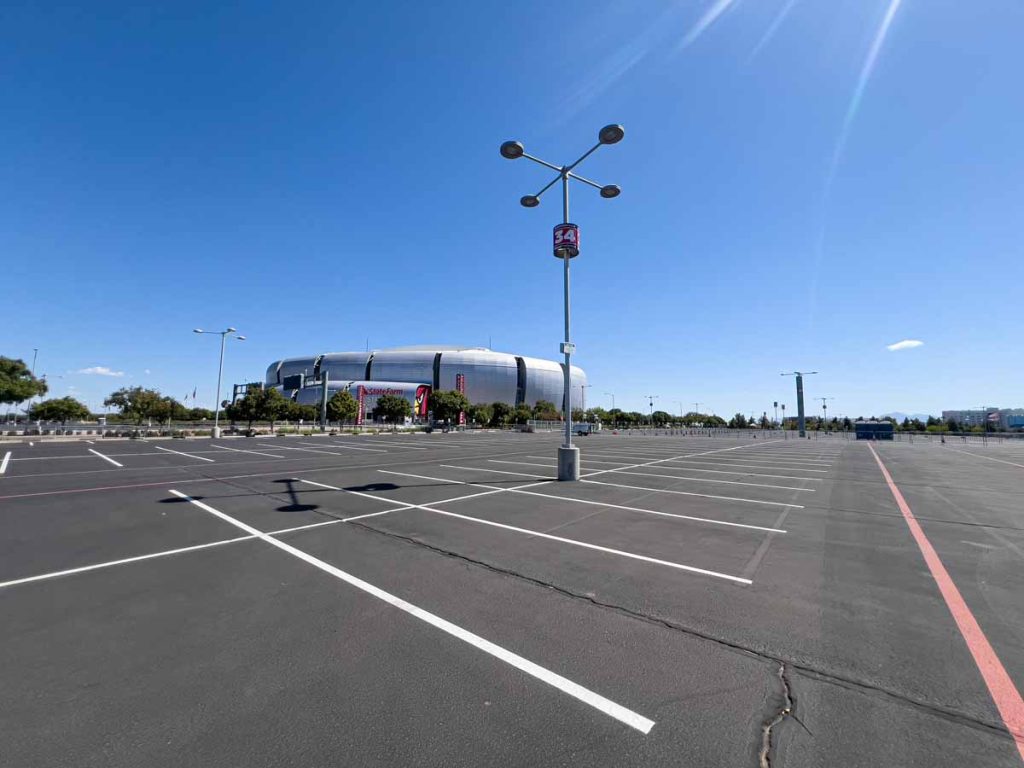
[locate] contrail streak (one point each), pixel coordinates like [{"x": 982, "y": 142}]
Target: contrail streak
[
  {"x": 858, "y": 92},
  {"x": 710, "y": 17},
  {"x": 772, "y": 29}
]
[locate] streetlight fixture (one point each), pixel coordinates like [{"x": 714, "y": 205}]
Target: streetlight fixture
[
  {"x": 567, "y": 246},
  {"x": 801, "y": 423},
  {"x": 824, "y": 411},
  {"x": 652, "y": 398},
  {"x": 583, "y": 392},
  {"x": 220, "y": 370}
]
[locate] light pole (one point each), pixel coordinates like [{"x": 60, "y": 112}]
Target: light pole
[
  {"x": 567, "y": 246},
  {"x": 824, "y": 410},
  {"x": 612, "y": 396},
  {"x": 775, "y": 405},
  {"x": 583, "y": 392},
  {"x": 220, "y": 371},
  {"x": 800, "y": 422},
  {"x": 652, "y": 398}
]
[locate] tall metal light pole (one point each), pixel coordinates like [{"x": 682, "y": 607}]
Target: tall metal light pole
[
  {"x": 824, "y": 410},
  {"x": 220, "y": 371},
  {"x": 652, "y": 398},
  {"x": 801, "y": 423},
  {"x": 612, "y": 395},
  {"x": 775, "y": 405},
  {"x": 567, "y": 246},
  {"x": 583, "y": 392}
]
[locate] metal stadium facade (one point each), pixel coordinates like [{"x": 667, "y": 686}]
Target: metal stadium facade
[{"x": 483, "y": 375}]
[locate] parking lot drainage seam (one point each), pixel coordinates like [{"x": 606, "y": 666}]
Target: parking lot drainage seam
[{"x": 821, "y": 675}]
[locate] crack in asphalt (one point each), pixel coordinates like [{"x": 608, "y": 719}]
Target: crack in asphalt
[
  {"x": 805, "y": 670},
  {"x": 788, "y": 709}
]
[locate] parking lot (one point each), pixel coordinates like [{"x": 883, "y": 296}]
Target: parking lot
[{"x": 442, "y": 600}]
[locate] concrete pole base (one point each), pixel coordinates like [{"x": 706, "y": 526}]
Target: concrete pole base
[
  {"x": 568, "y": 463},
  {"x": 216, "y": 433}
]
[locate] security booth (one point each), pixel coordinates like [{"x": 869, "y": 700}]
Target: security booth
[{"x": 874, "y": 430}]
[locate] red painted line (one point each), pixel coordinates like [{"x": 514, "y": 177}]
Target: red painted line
[{"x": 1004, "y": 693}]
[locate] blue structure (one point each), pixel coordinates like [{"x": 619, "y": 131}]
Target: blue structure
[{"x": 874, "y": 430}]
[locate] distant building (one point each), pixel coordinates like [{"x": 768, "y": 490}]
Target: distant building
[{"x": 1007, "y": 418}]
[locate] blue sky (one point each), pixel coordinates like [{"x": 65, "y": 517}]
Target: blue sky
[{"x": 323, "y": 174}]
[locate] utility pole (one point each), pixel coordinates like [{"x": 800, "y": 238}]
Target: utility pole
[{"x": 800, "y": 420}]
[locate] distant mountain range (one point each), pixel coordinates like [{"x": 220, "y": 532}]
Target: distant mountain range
[{"x": 901, "y": 416}]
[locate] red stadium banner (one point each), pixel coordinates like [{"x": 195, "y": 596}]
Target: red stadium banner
[
  {"x": 460, "y": 386},
  {"x": 361, "y": 399}
]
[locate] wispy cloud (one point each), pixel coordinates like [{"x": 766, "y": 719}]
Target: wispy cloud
[
  {"x": 710, "y": 16},
  {"x": 99, "y": 370},
  {"x": 905, "y": 344},
  {"x": 772, "y": 29},
  {"x": 858, "y": 93},
  {"x": 146, "y": 371}
]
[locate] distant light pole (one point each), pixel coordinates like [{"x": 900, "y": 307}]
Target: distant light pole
[
  {"x": 652, "y": 398},
  {"x": 220, "y": 370},
  {"x": 824, "y": 410},
  {"x": 567, "y": 246},
  {"x": 612, "y": 396},
  {"x": 775, "y": 405},
  {"x": 583, "y": 392},
  {"x": 680, "y": 404},
  {"x": 800, "y": 420}
]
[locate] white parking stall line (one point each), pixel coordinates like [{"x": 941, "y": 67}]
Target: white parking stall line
[
  {"x": 180, "y": 550},
  {"x": 720, "y": 463},
  {"x": 702, "y": 495},
  {"x": 182, "y": 453},
  {"x": 590, "y": 502},
  {"x": 583, "y": 458},
  {"x": 335, "y": 444},
  {"x": 105, "y": 458},
  {"x": 305, "y": 450},
  {"x": 713, "y": 480},
  {"x": 521, "y": 463},
  {"x": 3, "y": 464},
  {"x": 742, "y": 473},
  {"x": 496, "y": 471},
  {"x": 245, "y": 450},
  {"x": 684, "y": 456},
  {"x": 608, "y": 707}
]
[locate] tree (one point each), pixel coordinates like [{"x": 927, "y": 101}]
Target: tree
[
  {"x": 579, "y": 415},
  {"x": 544, "y": 410},
  {"x": 615, "y": 415},
  {"x": 500, "y": 414},
  {"x": 447, "y": 404},
  {"x": 17, "y": 384},
  {"x": 480, "y": 413},
  {"x": 522, "y": 414},
  {"x": 739, "y": 421},
  {"x": 661, "y": 417},
  {"x": 765, "y": 424},
  {"x": 136, "y": 403},
  {"x": 342, "y": 407},
  {"x": 199, "y": 414},
  {"x": 952, "y": 425},
  {"x": 392, "y": 408},
  {"x": 597, "y": 414},
  {"x": 259, "y": 405},
  {"x": 62, "y": 409}
]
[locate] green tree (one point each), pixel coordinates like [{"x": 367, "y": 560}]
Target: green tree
[
  {"x": 579, "y": 415},
  {"x": 17, "y": 384},
  {"x": 661, "y": 417},
  {"x": 136, "y": 403},
  {"x": 480, "y": 413},
  {"x": 522, "y": 414},
  {"x": 199, "y": 414},
  {"x": 342, "y": 407},
  {"x": 447, "y": 404},
  {"x": 597, "y": 414},
  {"x": 259, "y": 405},
  {"x": 544, "y": 410},
  {"x": 500, "y": 414},
  {"x": 392, "y": 409},
  {"x": 62, "y": 409},
  {"x": 739, "y": 421},
  {"x": 952, "y": 425}
]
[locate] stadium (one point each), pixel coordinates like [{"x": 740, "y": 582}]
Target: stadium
[{"x": 483, "y": 375}]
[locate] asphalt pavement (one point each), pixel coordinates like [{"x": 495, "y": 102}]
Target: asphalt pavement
[{"x": 441, "y": 600}]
